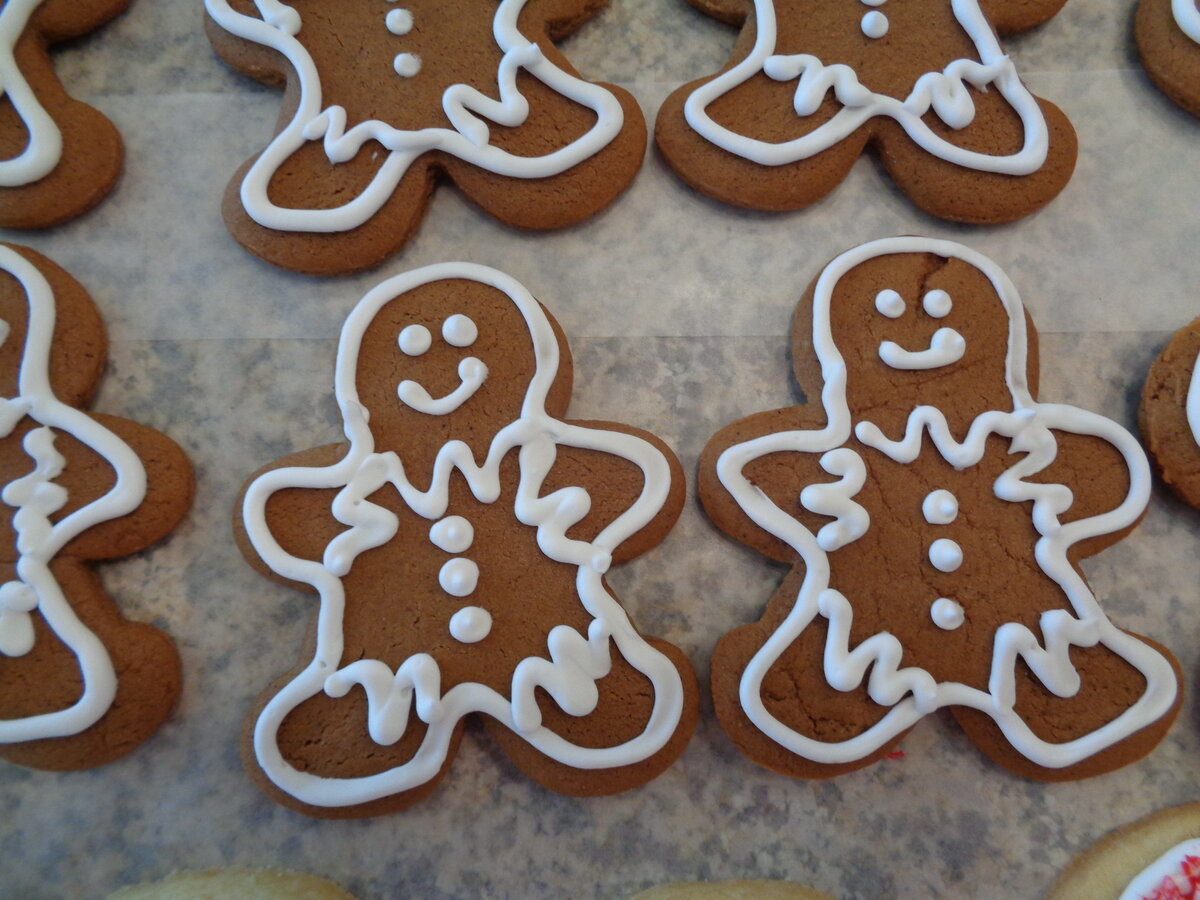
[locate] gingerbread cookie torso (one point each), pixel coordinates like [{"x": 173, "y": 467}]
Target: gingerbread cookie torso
[
  {"x": 934, "y": 514},
  {"x": 459, "y": 543},
  {"x": 79, "y": 685},
  {"x": 472, "y": 90},
  {"x": 1168, "y": 40},
  {"x": 812, "y": 83},
  {"x": 58, "y": 157},
  {"x": 1169, "y": 415}
]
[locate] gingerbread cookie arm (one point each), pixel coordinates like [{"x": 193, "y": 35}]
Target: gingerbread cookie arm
[
  {"x": 556, "y": 19},
  {"x": 732, "y": 12},
  {"x": 781, "y": 477},
  {"x": 167, "y": 471},
  {"x": 615, "y": 484}
]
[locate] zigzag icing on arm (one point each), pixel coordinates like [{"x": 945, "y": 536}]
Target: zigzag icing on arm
[
  {"x": 944, "y": 92},
  {"x": 464, "y": 106},
  {"x": 44, "y": 148}
]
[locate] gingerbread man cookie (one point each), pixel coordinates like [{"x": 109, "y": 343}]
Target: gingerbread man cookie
[
  {"x": 79, "y": 684},
  {"x": 811, "y": 84},
  {"x": 459, "y": 543},
  {"x": 934, "y": 514},
  {"x": 58, "y": 157},
  {"x": 385, "y": 100},
  {"x": 1169, "y": 415},
  {"x": 1168, "y": 39}
]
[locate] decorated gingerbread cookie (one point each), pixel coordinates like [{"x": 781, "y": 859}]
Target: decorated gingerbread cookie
[
  {"x": 934, "y": 514},
  {"x": 458, "y": 543},
  {"x": 1155, "y": 858},
  {"x": 384, "y": 99},
  {"x": 811, "y": 84},
  {"x": 1168, "y": 39},
  {"x": 79, "y": 684},
  {"x": 1169, "y": 416},
  {"x": 58, "y": 157}
]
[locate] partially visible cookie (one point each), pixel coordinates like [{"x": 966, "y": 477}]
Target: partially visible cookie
[
  {"x": 59, "y": 157},
  {"x": 386, "y": 99},
  {"x": 1155, "y": 858},
  {"x": 459, "y": 542},
  {"x": 811, "y": 84},
  {"x": 752, "y": 889},
  {"x": 79, "y": 684},
  {"x": 1169, "y": 416},
  {"x": 1168, "y": 39},
  {"x": 236, "y": 884}
]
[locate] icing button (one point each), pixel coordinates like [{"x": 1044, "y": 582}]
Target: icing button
[
  {"x": 407, "y": 64},
  {"x": 875, "y": 24},
  {"x": 453, "y": 534},
  {"x": 946, "y": 614},
  {"x": 399, "y": 21},
  {"x": 470, "y": 624},
  {"x": 459, "y": 577},
  {"x": 945, "y": 555},
  {"x": 939, "y": 507}
]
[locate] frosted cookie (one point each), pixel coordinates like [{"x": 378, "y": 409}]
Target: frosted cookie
[
  {"x": 933, "y": 512},
  {"x": 79, "y": 684},
  {"x": 236, "y": 884},
  {"x": 458, "y": 543},
  {"x": 811, "y": 85},
  {"x": 58, "y": 157},
  {"x": 1169, "y": 416},
  {"x": 1155, "y": 858},
  {"x": 385, "y": 99},
  {"x": 753, "y": 889},
  {"x": 1168, "y": 39}
]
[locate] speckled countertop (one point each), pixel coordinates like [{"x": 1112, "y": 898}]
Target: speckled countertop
[{"x": 677, "y": 308}]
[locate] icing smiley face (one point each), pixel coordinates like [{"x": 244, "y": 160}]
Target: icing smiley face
[
  {"x": 415, "y": 340},
  {"x": 945, "y": 347}
]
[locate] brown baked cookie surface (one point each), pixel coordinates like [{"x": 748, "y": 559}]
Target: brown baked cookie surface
[
  {"x": 459, "y": 543},
  {"x": 1155, "y": 858},
  {"x": 809, "y": 86},
  {"x": 1168, "y": 39},
  {"x": 79, "y": 684},
  {"x": 1169, "y": 415},
  {"x": 383, "y": 100},
  {"x": 934, "y": 514},
  {"x": 58, "y": 157}
]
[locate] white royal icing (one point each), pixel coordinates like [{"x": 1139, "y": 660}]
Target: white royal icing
[
  {"x": 945, "y": 93},
  {"x": 459, "y": 577},
  {"x": 911, "y": 692},
  {"x": 454, "y": 534},
  {"x": 889, "y": 303},
  {"x": 945, "y": 555},
  {"x": 1193, "y": 401},
  {"x": 946, "y": 614},
  {"x": 44, "y": 149},
  {"x": 939, "y": 507},
  {"x": 36, "y": 498},
  {"x": 937, "y": 303},
  {"x": 459, "y": 331},
  {"x": 472, "y": 373},
  {"x": 1187, "y": 17},
  {"x": 467, "y": 139},
  {"x": 1178, "y": 868},
  {"x": 575, "y": 662},
  {"x": 946, "y": 347},
  {"x": 415, "y": 340},
  {"x": 874, "y": 24}
]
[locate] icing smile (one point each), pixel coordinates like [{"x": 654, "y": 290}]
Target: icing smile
[
  {"x": 947, "y": 346},
  {"x": 472, "y": 373}
]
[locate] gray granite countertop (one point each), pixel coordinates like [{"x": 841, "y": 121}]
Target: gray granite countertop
[{"x": 678, "y": 310}]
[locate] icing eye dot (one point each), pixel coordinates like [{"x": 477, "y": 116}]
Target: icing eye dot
[
  {"x": 890, "y": 304},
  {"x": 459, "y": 331},
  {"x": 937, "y": 303},
  {"x": 399, "y": 21},
  {"x": 415, "y": 340},
  {"x": 407, "y": 64}
]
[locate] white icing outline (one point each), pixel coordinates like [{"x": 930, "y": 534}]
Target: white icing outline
[
  {"x": 912, "y": 692},
  {"x": 945, "y": 92},
  {"x": 38, "y": 541},
  {"x": 1193, "y": 400},
  {"x": 464, "y": 106},
  {"x": 44, "y": 149},
  {"x": 1187, "y": 17},
  {"x": 575, "y": 662}
]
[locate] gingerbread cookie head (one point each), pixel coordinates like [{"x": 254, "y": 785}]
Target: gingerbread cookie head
[
  {"x": 927, "y": 83},
  {"x": 1169, "y": 415},
  {"x": 1168, "y": 39},
  {"x": 459, "y": 543},
  {"x": 934, "y": 532},
  {"x": 347, "y": 178},
  {"x": 58, "y": 157},
  {"x": 79, "y": 685}
]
